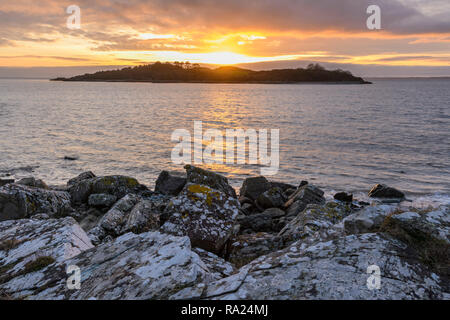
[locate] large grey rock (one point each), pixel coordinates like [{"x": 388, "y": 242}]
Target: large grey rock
[
  {"x": 117, "y": 185},
  {"x": 170, "y": 183},
  {"x": 28, "y": 244},
  {"x": 33, "y": 182},
  {"x": 306, "y": 194},
  {"x": 253, "y": 187},
  {"x": 101, "y": 200},
  {"x": 204, "y": 214},
  {"x": 382, "y": 191},
  {"x": 146, "y": 266},
  {"x": 335, "y": 269},
  {"x": 368, "y": 219},
  {"x": 316, "y": 222},
  {"x": 267, "y": 221},
  {"x": 82, "y": 176},
  {"x": 131, "y": 213},
  {"x": 272, "y": 198},
  {"x": 208, "y": 178},
  {"x": 18, "y": 202},
  {"x": 247, "y": 247}
]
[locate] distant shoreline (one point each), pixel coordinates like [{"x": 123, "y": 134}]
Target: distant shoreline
[
  {"x": 219, "y": 82},
  {"x": 193, "y": 73}
]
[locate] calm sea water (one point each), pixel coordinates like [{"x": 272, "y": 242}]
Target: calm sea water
[{"x": 340, "y": 137}]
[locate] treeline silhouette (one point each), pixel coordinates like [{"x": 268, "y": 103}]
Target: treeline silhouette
[{"x": 187, "y": 72}]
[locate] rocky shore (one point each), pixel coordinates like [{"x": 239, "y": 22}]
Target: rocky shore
[{"x": 195, "y": 237}]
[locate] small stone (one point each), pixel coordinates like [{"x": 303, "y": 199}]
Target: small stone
[
  {"x": 170, "y": 183},
  {"x": 382, "y": 191},
  {"x": 342, "y": 196}
]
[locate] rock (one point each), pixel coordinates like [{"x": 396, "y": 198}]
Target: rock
[
  {"x": 102, "y": 200},
  {"x": 316, "y": 222},
  {"x": 342, "y": 196},
  {"x": 247, "y": 208},
  {"x": 170, "y": 183},
  {"x": 32, "y": 182},
  {"x": 217, "y": 267},
  {"x": 145, "y": 266},
  {"x": 272, "y": 198},
  {"x": 368, "y": 219},
  {"x": 204, "y": 214},
  {"x": 118, "y": 186},
  {"x": 333, "y": 270},
  {"x": 427, "y": 232},
  {"x": 29, "y": 243},
  {"x": 131, "y": 213},
  {"x": 208, "y": 178},
  {"x": 70, "y": 158},
  {"x": 307, "y": 194},
  {"x": 382, "y": 191},
  {"x": 283, "y": 186},
  {"x": 5, "y": 182},
  {"x": 83, "y": 176},
  {"x": 143, "y": 217},
  {"x": 267, "y": 221},
  {"x": 253, "y": 187},
  {"x": 247, "y": 247},
  {"x": 18, "y": 201},
  {"x": 244, "y": 200},
  {"x": 90, "y": 219}
]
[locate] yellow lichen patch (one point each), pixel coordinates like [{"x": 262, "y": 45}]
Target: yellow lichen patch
[
  {"x": 131, "y": 182},
  {"x": 199, "y": 189}
]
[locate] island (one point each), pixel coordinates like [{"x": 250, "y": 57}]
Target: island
[{"x": 194, "y": 73}]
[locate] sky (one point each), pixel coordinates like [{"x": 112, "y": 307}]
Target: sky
[{"x": 414, "y": 39}]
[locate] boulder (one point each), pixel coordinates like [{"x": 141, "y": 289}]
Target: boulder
[
  {"x": 118, "y": 186},
  {"x": 82, "y": 176},
  {"x": 29, "y": 244},
  {"x": 333, "y": 270},
  {"x": 253, "y": 187},
  {"x": 170, "y": 183},
  {"x": 18, "y": 202},
  {"x": 316, "y": 222},
  {"x": 267, "y": 221},
  {"x": 382, "y": 191},
  {"x": 427, "y": 232},
  {"x": 145, "y": 266},
  {"x": 101, "y": 200},
  {"x": 368, "y": 219},
  {"x": 204, "y": 214},
  {"x": 307, "y": 194},
  {"x": 272, "y": 198},
  {"x": 247, "y": 247},
  {"x": 210, "y": 179},
  {"x": 344, "y": 197},
  {"x": 33, "y": 182},
  {"x": 131, "y": 213},
  {"x": 283, "y": 186}
]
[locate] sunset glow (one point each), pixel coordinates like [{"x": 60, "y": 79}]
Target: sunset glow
[{"x": 413, "y": 34}]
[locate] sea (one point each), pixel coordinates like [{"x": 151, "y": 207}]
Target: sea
[{"x": 338, "y": 137}]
